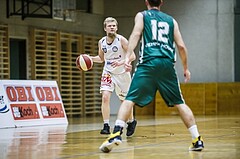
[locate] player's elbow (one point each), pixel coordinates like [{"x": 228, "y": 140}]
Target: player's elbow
[
  {"x": 137, "y": 34},
  {"x": 182, "y": 49},
  {"x": 133, "y": 57},
  {"x": 99, "y": 61}
]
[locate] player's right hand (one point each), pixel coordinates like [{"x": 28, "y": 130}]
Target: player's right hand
[{"x": 187, "y": 75}]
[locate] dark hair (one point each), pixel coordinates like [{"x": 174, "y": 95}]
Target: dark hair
[{"x": 154, "y": 3}]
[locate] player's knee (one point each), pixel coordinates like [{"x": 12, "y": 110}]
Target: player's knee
[{"x": 105, "y": 99}]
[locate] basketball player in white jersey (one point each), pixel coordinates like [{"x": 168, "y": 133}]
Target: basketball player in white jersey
[{"x": 112, "y": 51}]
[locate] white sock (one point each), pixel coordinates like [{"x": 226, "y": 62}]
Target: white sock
[
  {"x": 194, "y": 131},
  {"x": 106, "y": 121},
  {"x": 120, "y": 123}
]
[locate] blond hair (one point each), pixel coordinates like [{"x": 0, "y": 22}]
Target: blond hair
[{"x": 108, "y": 20}]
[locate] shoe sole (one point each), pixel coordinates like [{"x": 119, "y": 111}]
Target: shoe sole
[
  {"x": 196, "y": 149},
  {"x": 104, "y": 133},
  {"x": 107, "y": 147}
]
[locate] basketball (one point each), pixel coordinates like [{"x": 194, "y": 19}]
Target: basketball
[{"x": 84, "y": 62}]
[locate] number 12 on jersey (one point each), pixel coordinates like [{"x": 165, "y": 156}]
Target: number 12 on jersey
[{"x": 159, "y": 31}]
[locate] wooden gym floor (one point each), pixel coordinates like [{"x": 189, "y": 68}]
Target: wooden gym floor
[{"x": 162, "y": 137}]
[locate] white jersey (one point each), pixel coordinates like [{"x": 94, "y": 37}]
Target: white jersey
[{"x": 113, "y": 52}]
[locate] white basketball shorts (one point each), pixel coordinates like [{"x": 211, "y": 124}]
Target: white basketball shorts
[{"x": 118, "y": 82}]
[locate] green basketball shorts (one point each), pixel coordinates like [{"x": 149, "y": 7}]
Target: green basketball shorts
[{"x": 156, "y": 74}]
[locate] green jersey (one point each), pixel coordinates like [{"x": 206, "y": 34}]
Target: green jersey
[
  {"x": 156, "y": 68},
  {"x": 158, "y": 36}
]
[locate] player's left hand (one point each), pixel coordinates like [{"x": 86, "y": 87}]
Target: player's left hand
[{"x": 128, "y": 65}]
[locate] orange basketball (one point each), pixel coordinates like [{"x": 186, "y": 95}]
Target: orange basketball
[{"x": 84, "y": 62}]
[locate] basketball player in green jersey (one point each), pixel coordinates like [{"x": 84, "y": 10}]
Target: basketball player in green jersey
[{"x": 155, "y": 71}]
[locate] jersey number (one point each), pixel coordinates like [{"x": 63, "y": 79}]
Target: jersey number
[{"x": 159, "y": 31}]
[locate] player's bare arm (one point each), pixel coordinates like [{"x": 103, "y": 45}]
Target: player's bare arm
[
  {"x": 135, "y": 35},
  {"x": 134, "y": 38},
  {"x": 100, "y": 57},
  {"x": 124, "y": 42},
  {"x": 182, "y": 50}
]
